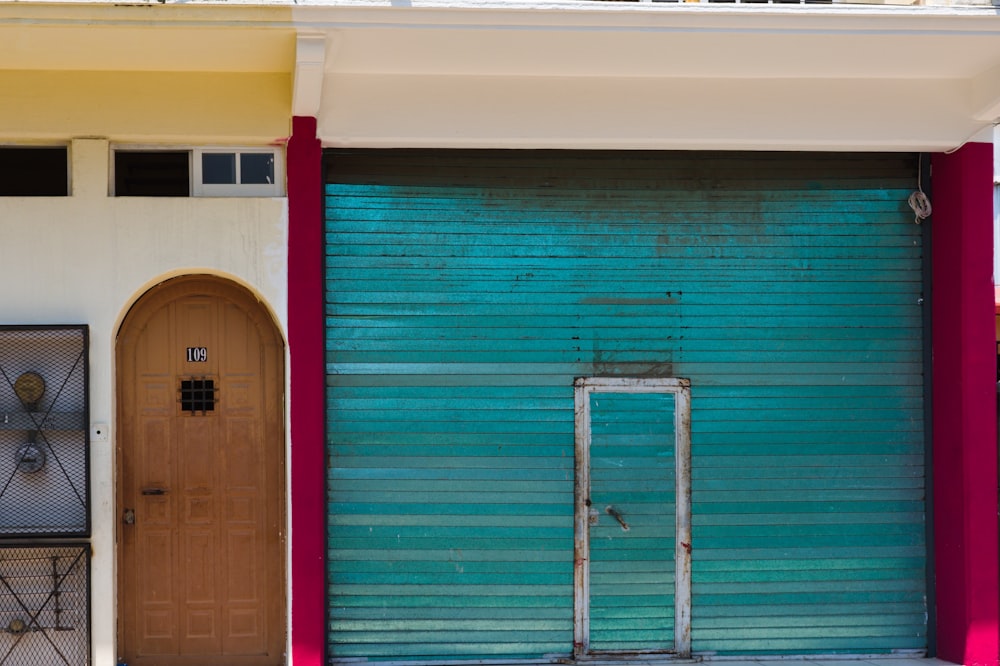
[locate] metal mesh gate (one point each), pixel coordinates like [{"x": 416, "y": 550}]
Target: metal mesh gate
[
  {"x": 43, "y": 432},
  {"x": 44, "y": 605}
]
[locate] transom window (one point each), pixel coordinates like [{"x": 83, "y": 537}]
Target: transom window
[
  {"x": 34, "y": 171},
  {"x": 199, "y": 172},
  {"x": 234, "y": 172}
]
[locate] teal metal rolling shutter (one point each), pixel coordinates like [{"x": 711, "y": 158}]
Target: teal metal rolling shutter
[
  {"x": 632, "y": 533},
  {"x": 466, "y": 291}
]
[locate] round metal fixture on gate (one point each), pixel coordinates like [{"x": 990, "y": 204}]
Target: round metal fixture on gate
[
  {"x": 29, "y": 458},
  {"x": 17, "y": 626},
  {"x": 29, "y": 387}
]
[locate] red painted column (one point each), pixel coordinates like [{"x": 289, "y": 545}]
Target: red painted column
[
  {"x": 964, "y": 407},
  {"x": 307, "y": 379}
]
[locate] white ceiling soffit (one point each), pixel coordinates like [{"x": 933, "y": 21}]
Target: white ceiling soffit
[{"x": 641, "y": 75}]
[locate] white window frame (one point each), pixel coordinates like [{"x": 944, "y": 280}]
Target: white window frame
[
  {"x": 584, "y": 387},
  {"x": 237, "y": 189}
]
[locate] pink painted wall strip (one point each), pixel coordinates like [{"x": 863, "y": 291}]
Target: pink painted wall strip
[
  {"x": 305, "y": 341},
  {"x": 964, "y": 407}
]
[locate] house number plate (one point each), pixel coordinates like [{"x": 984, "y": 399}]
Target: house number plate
[{"x": 197, "y": 354}]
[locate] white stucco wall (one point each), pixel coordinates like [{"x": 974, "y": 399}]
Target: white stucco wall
[{"x": 84, "y": 259}]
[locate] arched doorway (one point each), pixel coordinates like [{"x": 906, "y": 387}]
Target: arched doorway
[{"x": 200, "y": 478}]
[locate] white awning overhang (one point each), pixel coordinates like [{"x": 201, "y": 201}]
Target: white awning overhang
[
  {"x": 653, "y": 76},
  {"x": 563, "y": 74}
]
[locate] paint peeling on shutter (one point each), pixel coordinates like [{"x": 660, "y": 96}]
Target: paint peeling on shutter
[{"x": 466, "y": 291}]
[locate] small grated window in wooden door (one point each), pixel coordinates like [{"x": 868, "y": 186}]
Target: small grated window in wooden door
[{"x": 197, "y": 396}]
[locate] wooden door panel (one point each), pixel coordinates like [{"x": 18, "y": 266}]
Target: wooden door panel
[
  {"x": 158, "y": 621},
  {"x": 242, "y": 458},
  {"x": 155, "y": 456},
  {"x": 242, "y": 577},
  {"x": 156, "y": 397},
  {"x": 154, "y": 584},
  {"x": 195, "y": 327},
  {"x": 240, "y": 510},
  {"x": 241, "y": 351},
  {"x": 197, "y": 456},
  {"x": 199, "y": 511},
  {"x": 201, "y": 569},
  {"x": 199, "y": 635},
  {"x": 243, "y": 632}
]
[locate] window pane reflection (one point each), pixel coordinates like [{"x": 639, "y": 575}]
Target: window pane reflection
[
  {"x": 257, "y": 168},
  {"x": 218, "y": 168}
]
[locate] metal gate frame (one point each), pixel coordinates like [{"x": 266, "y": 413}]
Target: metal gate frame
[{"x": 681, "y": 389}]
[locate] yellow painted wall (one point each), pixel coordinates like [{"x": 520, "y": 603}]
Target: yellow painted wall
[{"x": 145, "y": 107}]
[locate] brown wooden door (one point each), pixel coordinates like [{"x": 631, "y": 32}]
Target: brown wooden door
[{"x": 200, "y": 479}]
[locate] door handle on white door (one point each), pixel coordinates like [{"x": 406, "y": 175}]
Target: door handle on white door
[{"x": 616, "y": 514}]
